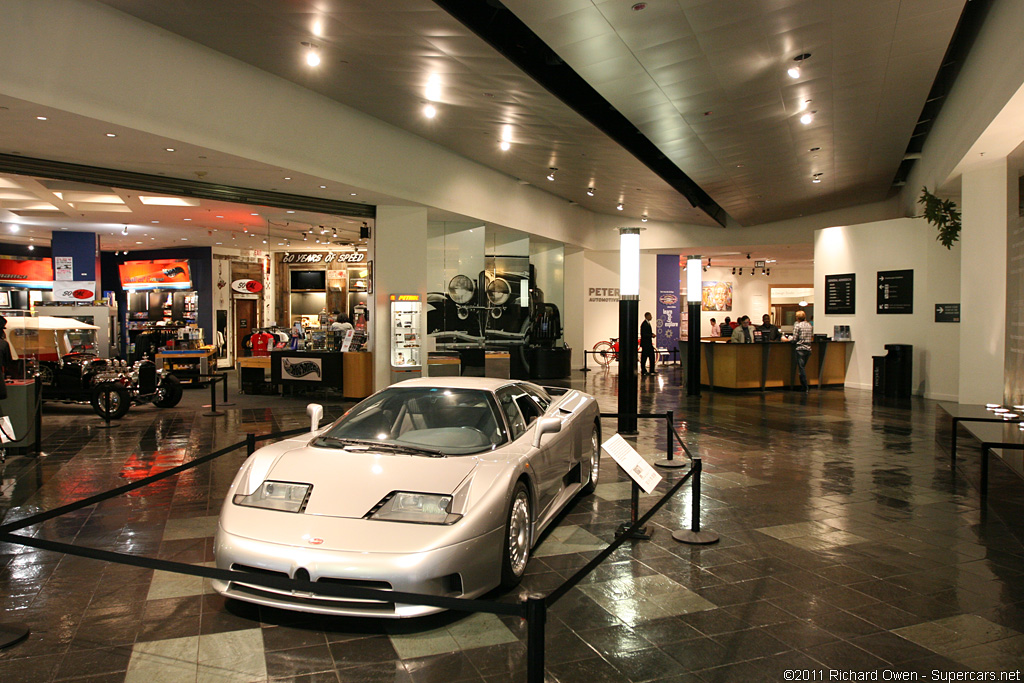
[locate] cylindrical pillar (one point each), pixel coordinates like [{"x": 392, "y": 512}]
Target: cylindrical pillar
[{"x": 629, "y": 319}]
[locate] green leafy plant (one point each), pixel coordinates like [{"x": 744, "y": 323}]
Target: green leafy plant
[{"x": 943, "y": 214}]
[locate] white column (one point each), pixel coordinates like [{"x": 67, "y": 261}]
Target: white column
[
  {"x": 399, "y": 267},
  {"x": 985, "y": 199}
]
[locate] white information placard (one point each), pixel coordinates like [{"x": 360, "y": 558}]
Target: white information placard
[
  {"x": 346, "y": 343},
  {"x": 632, "y": 463},
  {"x": 63, "y": 268}
]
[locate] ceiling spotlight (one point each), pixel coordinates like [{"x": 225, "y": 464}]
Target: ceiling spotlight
[
  {"x": 619, "y": 207},
  {"x": 644, "y": 218},
  {"x": 31, "y": 247},
  {"x": 734, "y": 270},
  {"x": 748, "y": 257},
  {"x": 705, "y": 269},
  {"x": 551, "y": 175},
  {"x": 312, "y": 56},
  {"x": 111, "y": 135},
  {"x": 751, "y": 271},
  {"x": 816, "y": 178},
  {"x": 807, "y": 117},
  {"x": 429, "y": 111},
  {"x": 505, "y": 145},
  {"x": 794, "y": 71},
  {"x": 125, "y": 230},
  {"x": 117, "y": 253},
  {"x": 14, "y": 227},
  {"x": 768, "y": 272},
  {"x": 590, "y": 192},
  {"x": 318, "y": 240},
  {"x": 762, "y": 271}
]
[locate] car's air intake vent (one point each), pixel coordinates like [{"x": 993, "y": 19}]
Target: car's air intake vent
[{"x": 258, "y": 570}]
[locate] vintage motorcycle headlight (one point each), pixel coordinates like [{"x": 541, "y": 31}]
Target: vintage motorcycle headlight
[
  {"x": 276, "y": 495},
  {"x": 418, "y": 508}
]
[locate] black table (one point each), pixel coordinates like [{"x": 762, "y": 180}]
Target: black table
[{"x": 971, "y": 413}]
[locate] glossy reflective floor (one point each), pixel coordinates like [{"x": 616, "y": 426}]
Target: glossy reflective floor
[{"x": 847, "y": 543}]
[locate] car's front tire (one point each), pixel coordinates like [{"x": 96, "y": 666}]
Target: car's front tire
[
  {"x": 595, "y": 461},
  {"x": 110, "y": 399},
  {"x": 516, "y": 553},
  {"x": 168, "y": 393}
]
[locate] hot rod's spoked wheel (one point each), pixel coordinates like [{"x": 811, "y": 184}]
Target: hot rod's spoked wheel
[{"x": 111, "y": 401}]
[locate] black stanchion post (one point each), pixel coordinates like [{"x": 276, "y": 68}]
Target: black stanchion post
[
  {"x": 213, "y": 398},
  {"x": 670, "y": 444},
  {"x": 250, "y": 443},
  {"x": 694, "y": 535},
  {"x": 536, "y": 615},
  {"x": 105, "y": 402},
  {"x": 585, "y": 368},
  {"x": 634, "y": 514},
  {"x": 224, "y": 379},
  {"x": 39, "y": 414}
]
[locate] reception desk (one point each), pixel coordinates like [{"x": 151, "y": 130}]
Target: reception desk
[
  {"x": 350, "y": 372},
  {"x": 770, "y": 365}
]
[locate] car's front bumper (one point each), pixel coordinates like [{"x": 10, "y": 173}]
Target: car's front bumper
[{"x": 465, "y": 569}]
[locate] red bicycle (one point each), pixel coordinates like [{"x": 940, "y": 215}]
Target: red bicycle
[{"x": 605, "y": 352}]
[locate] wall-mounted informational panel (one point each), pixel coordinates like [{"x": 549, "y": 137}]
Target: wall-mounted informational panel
[
  {"x": 895, "y": 292},
  {"x": 947, "y": 313},
  {"x": 667, "y": 322},
  {"x": 841, "y": 294}
]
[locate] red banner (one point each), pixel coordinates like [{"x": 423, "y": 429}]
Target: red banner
[
  {"x": 169, "y": 273},
  {"x": 26, "y": 272}
]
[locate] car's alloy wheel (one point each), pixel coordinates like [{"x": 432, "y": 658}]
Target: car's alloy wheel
[
  {"x": 517, "y": 537},
  {"x": 595, "y": 460}
]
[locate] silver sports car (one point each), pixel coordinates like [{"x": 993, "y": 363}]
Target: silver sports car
[{"x": 436, "y": 485}]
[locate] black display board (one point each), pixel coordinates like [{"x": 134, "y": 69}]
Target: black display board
[
  {"x": 895, "y": 291},
  {"x": 840, "y": 294},
  {"x": 947, "y": 313}
]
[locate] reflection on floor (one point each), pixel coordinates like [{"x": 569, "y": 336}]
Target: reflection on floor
[{"x": 846, "y": 543}]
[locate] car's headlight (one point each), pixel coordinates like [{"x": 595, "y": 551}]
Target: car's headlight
[
  {"x": 420, "y": 508},
  {"x": 276, "y": 495}
]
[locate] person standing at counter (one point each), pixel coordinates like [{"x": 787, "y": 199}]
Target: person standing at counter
[
  {"x": 769, "y": 332},
  {"x": 716, "y": 331},
  {"x": 742, "y": 334},
  {"x": 646, "y": 344},
  {"x": 803, "y": 335}
]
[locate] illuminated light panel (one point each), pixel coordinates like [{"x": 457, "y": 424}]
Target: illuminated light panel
[{"x": 168, "y": 201}]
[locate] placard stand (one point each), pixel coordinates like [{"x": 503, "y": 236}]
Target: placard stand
[{"x": 642, "y": 475}]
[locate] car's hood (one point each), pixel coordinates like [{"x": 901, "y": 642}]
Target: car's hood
[{"x": 348, "y": 484}]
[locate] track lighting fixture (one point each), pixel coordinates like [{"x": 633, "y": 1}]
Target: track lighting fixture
[
  {"x": 734, "y": 270},
  {"x": 619, "y": 207},
  {"x": 794, "y": 71},
  {"x": 751, "y": 271},
  {"x": 748, "y": 257},
  {"x": 590, "y": 192},
  {"x": 305, "y": 237},
  {"x": 551, "y": 175},
  {"x": 643, "y": 218},
  {"x": 768, "y": 272},
  {"x": 125, "y": 230},
  {"x": 705, "y": 269}
]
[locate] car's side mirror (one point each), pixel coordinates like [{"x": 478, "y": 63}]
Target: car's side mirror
[
  {"x": 316, "y": 413},
  {"x": 546, "y": 425}
]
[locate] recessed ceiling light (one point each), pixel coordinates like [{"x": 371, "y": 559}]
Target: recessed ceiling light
[
  {"x": 220, "y": 216},
  {"x": 429, "y": 111},
  {"x": 644, "y": 218},
  {"x": 312, "y": 57},
  {"x": 807, "y": 117},
  {"x": 138, "y": 243},
  {"x": 290, "y": 211},
  {"x": 169, "y": 149},
  {"x": 794, "y": 71},
  {"x": 154, "y": 221},
  {"x": 287, "y": 177},
  {"x": 551, "y": 174},
  {"x": 814, "y": 149},
  {"x": 318, "y": 28},
  {"x": 111, "y": 135},
  {"x": 619, "y": 207},
  {"x": 590, "y": 192},
  {"x": 254, "y": 214},
  {"x": 184, "y": 239},
  {"x": 639, "y": 6},
  {"x": 323, "y": 187},
  {"x": 220, "y": 243},
  {"x": 351, "y": 194},
  {"x": 15, "y": 227},
  {"x": 433, "y": 89},
  {"x": 505, "y": 145},
  {"x": 31, "y": 247},
  {"x": 41, "y": 118}
]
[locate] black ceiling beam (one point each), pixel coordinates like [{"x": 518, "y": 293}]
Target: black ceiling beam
[
  {"x": 502, "y": 30},
  {"x": 145, "y": 182}
]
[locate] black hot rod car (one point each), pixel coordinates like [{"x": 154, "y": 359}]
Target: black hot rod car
[{"x": 63, "y": 352}]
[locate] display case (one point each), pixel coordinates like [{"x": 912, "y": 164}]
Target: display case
[{"x": 406, "y": 311}]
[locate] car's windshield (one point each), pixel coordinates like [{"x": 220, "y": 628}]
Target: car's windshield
[{"x": 435, "y": 421}]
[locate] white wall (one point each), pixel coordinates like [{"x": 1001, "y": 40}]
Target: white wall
[
  {"x": 904, "y": 243},
  {"x": 601, "y": 318}
]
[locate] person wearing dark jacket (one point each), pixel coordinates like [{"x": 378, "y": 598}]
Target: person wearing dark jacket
[{"x": 646, "y": 344}]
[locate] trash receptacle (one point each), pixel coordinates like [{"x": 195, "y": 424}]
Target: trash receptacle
[
  {"x": 899, "y": 370},
  {"x": 878, "y": 375}
]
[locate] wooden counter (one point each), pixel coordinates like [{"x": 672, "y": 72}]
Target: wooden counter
[
  {"x": 188, "y": 365},
  {"x": 771, "y": 365},
  {"x": 350, "y": 372}
]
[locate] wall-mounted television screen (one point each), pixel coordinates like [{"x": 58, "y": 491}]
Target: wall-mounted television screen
[{"x": 309, "y": 280}]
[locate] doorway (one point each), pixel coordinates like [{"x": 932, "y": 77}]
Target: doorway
[{"x": 245, "y": 322}]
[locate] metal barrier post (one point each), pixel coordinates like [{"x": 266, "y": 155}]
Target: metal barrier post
[
  {"x": 536, "y": 615},
  {"x": 105, "y": 401},
  {"x": 694, "y": 535},
  {"x": 225, "y": 402},
  {"x": 585, "y": 368},
  {"x": 250, "y": 443},
  {"x": 39, "y": 414},
  {"x": 639, "y": 534},
  {"x": 670, "y": 446},
  {"x": 213, "y": 397}
]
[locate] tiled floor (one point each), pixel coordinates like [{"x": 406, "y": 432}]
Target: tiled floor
[{"x": 846, "y": 543}]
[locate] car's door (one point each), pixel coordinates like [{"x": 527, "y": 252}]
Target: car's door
[{"x": 549, "y": 461}]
